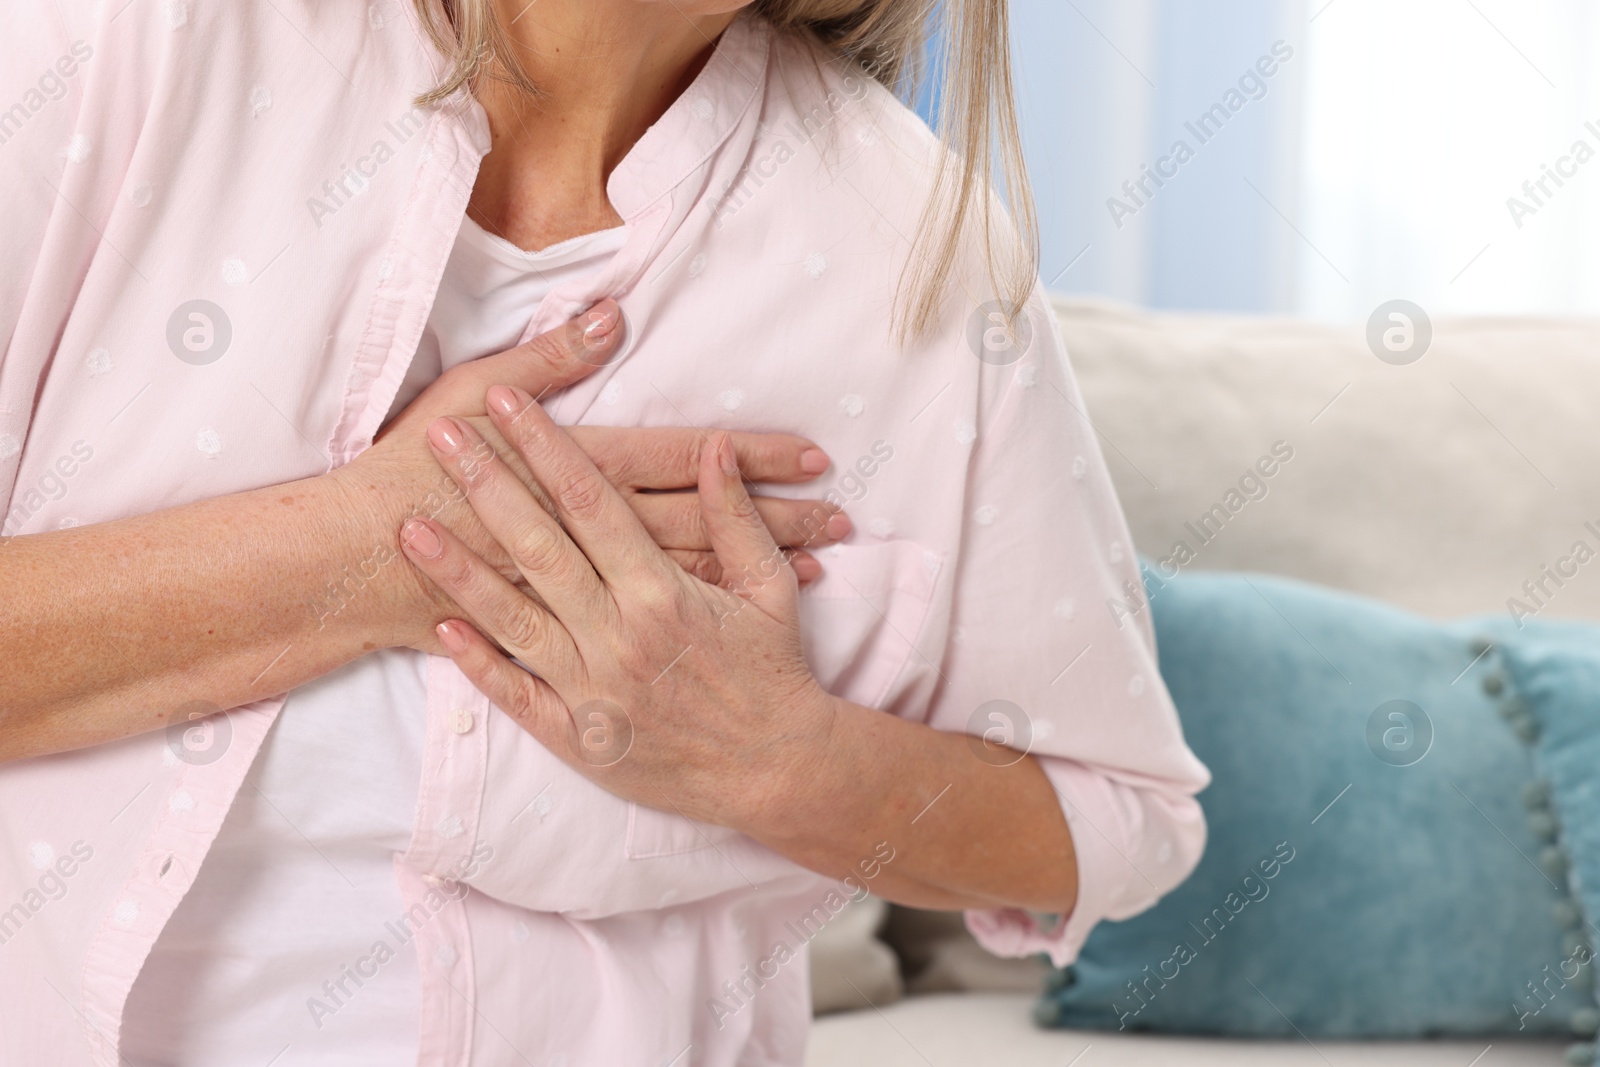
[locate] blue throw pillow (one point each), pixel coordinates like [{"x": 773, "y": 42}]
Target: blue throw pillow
[
  {"x": 1555, "y": 709},
  {"x": 1370, "y": 870}
]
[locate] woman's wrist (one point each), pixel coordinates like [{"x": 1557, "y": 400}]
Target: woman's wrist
[
  {"x": 371, "y": 586},
  {"x": 965, "y": 833},
  {"x": 811, "y": 802}
]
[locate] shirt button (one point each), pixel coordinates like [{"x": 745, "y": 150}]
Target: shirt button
[{"x": 461, "y": 720}]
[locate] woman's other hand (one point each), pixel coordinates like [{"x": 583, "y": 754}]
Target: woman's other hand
[
  {"x": 665, "y": 675},
  {"x": 654, "y": 470}
]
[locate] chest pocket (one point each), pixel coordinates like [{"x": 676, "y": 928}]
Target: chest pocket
[{"x": 859, "y": 624}]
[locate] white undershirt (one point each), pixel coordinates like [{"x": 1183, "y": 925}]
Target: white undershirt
[{"x": 300, "y": 880}]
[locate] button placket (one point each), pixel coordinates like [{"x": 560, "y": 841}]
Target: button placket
[{"x": 453, "y": 770}]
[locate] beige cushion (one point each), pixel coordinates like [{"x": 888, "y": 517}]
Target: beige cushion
[
  {"x": 995, "y": 1030},
  {"x": 850, "y": 967},
  {"x": 938, "y": 955},
  {"x": 1440, "y": 486}
]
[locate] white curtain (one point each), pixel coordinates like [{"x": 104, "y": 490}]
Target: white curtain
[
  {"x": 1108, "y": 88},
  {"x": 1423, "y": 121},
  {"x": 1377, "y": 163}
]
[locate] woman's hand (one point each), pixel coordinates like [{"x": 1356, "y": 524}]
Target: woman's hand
[
  {"x": 695, "y": 698},
  {"x": 656, "y": 665},
  {"x": 650, "y": 468}
]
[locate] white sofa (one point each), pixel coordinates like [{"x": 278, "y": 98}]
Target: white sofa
[{"x": 1442, "y": 486}]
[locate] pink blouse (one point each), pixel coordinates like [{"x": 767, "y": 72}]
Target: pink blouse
[{"x": 225, "y": 228}]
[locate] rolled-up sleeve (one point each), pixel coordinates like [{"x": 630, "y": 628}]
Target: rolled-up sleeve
[
  {"x": 1051, "y": 650},
  {"x": 1134, "y": 843}
]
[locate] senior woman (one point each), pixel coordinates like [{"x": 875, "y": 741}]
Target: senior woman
[{"x": 386, "y": 674}]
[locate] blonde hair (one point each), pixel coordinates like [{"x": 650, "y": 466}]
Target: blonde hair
[{"x": 976, "y": 121}]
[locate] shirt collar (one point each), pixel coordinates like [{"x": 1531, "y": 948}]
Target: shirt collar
[
  {"x": 688, "y": 134},
  {"x": 698, "y": 122}
]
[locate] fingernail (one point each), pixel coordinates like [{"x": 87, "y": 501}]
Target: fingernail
[
  {"x": 421, "y": 539},
  {"x": 814, "y": 461},
  {"x": 446, "y": 435},
  {"x": 806, "y": 568},
  {"x": 839, "y": 526},
  {"x": 451, "y": 637},
  {"x": 599, "y": 322},
  {"x": 730, "y": 464},
  {"x": 504, "y": 400}
]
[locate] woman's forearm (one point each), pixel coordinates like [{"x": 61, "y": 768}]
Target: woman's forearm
[
  {"x": 114, "y": 629},
  {"x": 122, "y": 627},
  {"x": 964, "y": 832}
]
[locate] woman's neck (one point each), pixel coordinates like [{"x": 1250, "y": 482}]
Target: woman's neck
[{"x": 606, "y": 70}]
